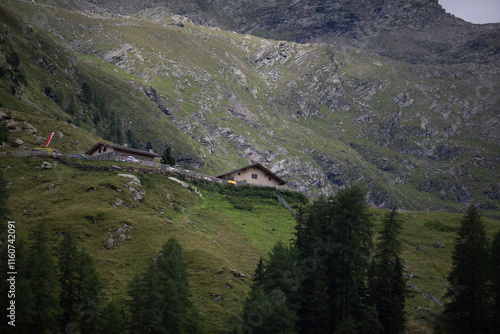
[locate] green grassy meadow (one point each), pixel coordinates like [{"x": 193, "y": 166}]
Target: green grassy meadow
[{"x": 221, "y": 237}]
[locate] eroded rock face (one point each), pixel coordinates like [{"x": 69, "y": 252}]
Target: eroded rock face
[
  {"x": 420, "y": 29},
  {"x": 395, "y": 94},
  {"x": 134, "y": 186}
]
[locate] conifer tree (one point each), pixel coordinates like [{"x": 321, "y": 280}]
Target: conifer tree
[
  {"x": 469, "y": 303},
  {"x": 259, "y": 274},
  {"x": 4, "y": 284},
  {"x": 88, "y": 292},
  {"x": 67, "y": 254},
  {"x": 25, "y": 296},
  {"x": 268, "y": 313},
  {"x": 4, "y": 133},
  {"x": 272, "y": 305},
  {"x": 13, "y": 59},
  {"x": 334, "y": 240},
  {"x": 4, "y": 197},
  {"x": 387, "y": 286},
  {"x": 43, "y": 282},
  {"x": 370, "y": 323},
  {"x": 111, "y": 320},
  {"x": 348, "y": 325},
  {"x": 88, "y": 94},
  {"x": 80, "y": 286},
  {"x": 314, "y": 313},
  {"x": 22, "y": 296},
  {"x": 159, "y": 299},
  {"x": 146, "y": 304},
  {"x": 350, "y": 228},
  {"x": 167, "y": 158},
  {"x": 495, "y": 280}
]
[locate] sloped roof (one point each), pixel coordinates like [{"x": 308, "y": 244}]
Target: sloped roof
[
  {"x": 122, "y": 148},
  {"x": 257, "y": 165}
]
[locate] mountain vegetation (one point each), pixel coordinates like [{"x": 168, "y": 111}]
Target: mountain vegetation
[
  {"x": 362, "y": 107},
  {"x": 404, "y": 103},
  {"x": 235, "y": 244}
]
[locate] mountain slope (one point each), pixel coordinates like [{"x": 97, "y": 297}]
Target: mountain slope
[
  {"x": 223, "y": 232},
  {"x": 322, "y": 116},
  {"x": 426, "y": 32}
]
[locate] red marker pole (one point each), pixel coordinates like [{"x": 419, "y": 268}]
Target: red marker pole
[{"x": 50, "y": 138}]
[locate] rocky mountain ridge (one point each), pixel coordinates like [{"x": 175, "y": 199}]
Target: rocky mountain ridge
[
  {"x": 417, "y": 31},
  {"x": 417, "y": 122}
]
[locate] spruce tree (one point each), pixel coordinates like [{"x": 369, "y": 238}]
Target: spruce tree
[
  {"x": 4, "y": 133},
  {"x": 80, "y": 286},
  {"x": 88, "y": 94},
  {"x": 272, "y": 305},
  {"x": 259, "y": 274},
  {"x": 174, "y": 286},
  {"x": 4, "y": 211},
  {"x": 68, "y": 300},
  {"x": 267, "y": 313},
  {"x": 167, "y": 157},
  {"x": 387, "y": 286},
  {"x": 314, "y": 312},
  {"x": 348, "y": 325},
  {"x": 25, "y": 296},
  {"x": 146, "y": 304},
  {"x": 495, "y": 280},
  {"x": 469, "y": 304},
  {"x": 111, "y": 320},
  {"x": 43, "y": 282},
  {"x": 159, "y": 299},
  {"x": 370, "y": 323},
  {"x": 350, "y": 228},
  {"x": 4, "y": 284},
  {"x": 88, "y": 292}
]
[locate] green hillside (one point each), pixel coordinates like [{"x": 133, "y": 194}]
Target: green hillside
[
  {"x": 323, "y": 116},
  {"x": 220, "y": 240},
  {"x": 213, "y": 233}
]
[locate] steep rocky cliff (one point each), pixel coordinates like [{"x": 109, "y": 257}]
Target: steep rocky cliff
[
  {"x": 397, "y": 95},
  {"x": 417, "y": 31}
]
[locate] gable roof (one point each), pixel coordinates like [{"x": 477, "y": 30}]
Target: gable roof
[
  {"x": 256, "y": 165},
  {"x": 121, "y": 148}
]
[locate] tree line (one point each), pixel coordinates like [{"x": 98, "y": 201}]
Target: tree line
[
  {"x": 58, "y": 289},
  {"x": 52, "y": 294},
  {"x": 474, "y": 282},
  {"x": 334, "y": 279},
  {"x": 64, "y": 294},
  {"x": 331, "y": 279}
]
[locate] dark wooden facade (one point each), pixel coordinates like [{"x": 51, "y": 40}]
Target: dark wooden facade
[{"x": 106, "y": 149}]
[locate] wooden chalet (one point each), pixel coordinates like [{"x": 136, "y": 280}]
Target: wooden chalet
[
  {"x": 253, "y": 174},
  {"x": 114, "y": 152}
]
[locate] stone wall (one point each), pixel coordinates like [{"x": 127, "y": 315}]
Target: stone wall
[{"x": 164, "y": 170}]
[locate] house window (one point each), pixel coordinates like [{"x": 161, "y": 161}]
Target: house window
[
  {"x": 99, "y": 150},
  {"x": 239, "y": 173},
  {"x": 254, "y": 176},
  {"x": 104, "y": 149},
  {"x": 269, "y": 178}
]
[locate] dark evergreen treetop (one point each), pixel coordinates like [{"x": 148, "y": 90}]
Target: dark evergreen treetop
[
  {"x": 468, "y": 295},
  {"x": 160, "y": 297}
]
